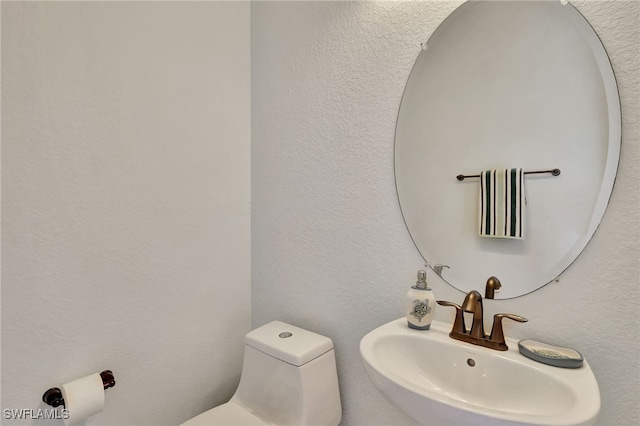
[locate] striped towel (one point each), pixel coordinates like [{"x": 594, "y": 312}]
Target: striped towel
[{"x": 502, "y": 203}]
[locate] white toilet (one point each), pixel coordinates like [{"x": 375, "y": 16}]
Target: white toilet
[{"x": 288, "y": 377}]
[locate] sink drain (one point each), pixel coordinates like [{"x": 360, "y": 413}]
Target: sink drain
[{"x": 471, "y": 362}]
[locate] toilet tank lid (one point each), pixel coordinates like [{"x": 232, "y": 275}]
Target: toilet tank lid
[{"x": 288, "y": 343}]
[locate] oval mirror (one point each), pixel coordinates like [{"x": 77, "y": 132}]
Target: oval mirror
[{"x": 501, "y": 85}]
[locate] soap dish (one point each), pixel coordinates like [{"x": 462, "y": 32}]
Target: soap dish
[{"x": 551, "y": 355}]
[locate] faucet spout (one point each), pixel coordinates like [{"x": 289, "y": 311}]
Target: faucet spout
[
  {"x": 473, "y": 304},
  {"x": 492, "y": 287}
]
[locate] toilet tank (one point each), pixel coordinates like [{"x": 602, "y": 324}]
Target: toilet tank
[{"x": 289, "y": 377}]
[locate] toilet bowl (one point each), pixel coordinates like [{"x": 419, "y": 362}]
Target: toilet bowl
[{"x": 288, "y": 377}]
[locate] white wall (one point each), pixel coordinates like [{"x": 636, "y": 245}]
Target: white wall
[
  {"x": 125, "y": 209},
  {"x": 329, "y": 248}
]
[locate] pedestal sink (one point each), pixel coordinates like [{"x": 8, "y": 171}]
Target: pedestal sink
[{"x": 440, "y": 381}]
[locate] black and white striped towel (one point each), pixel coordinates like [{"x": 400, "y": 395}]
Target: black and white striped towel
[{"x": 502, "y": 203}]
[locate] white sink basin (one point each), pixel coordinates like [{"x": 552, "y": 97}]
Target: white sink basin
[{"x": 429, "y": 376}]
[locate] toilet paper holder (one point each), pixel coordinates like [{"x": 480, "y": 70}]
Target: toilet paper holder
[{"x": 54, "y": 398}]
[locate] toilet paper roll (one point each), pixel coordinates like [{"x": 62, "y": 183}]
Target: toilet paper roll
[{"x": 83, "y": 398}]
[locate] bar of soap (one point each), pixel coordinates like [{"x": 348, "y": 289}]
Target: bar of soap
[{"x": 550, "y": 354}]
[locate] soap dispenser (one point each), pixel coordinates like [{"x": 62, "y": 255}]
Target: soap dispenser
[{"x": 420, "y": 304}]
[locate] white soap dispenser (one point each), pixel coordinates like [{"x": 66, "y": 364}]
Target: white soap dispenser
[{"x": 421, "y": 303}]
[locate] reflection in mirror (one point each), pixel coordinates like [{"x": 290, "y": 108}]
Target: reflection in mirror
[{"x": 501, "y": 85}]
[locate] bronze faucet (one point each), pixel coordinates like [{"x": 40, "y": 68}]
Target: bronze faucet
[{"x": 476, "y": 335}]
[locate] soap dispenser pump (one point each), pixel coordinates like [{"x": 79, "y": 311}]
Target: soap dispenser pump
[{"x": 420, "y": 304}]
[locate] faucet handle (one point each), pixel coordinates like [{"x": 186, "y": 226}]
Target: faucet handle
[
  {"x": 458, "y": 324},
  {"x": 511, "y": 317},
  {"x": 497, "y": 332},
  {"x": 447, "y": 303}
]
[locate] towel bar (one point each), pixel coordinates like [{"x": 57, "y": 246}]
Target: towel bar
[{"x": 554, "y": 172}]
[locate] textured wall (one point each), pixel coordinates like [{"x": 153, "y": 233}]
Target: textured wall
[
  {"x": 329, "y": 248},
  {"x": 125, "y": 203}
]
